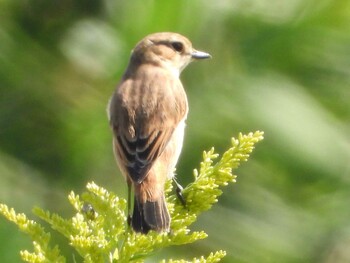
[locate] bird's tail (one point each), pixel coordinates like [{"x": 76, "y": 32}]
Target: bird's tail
[{"x": 150, "y": 216}]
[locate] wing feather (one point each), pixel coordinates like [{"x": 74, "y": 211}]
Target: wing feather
[{"x": 144, "y": 112}]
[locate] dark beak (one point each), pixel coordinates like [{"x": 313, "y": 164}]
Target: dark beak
[{"x": 199, "y": 55}]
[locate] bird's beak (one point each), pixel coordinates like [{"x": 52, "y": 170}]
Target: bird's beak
[{"x": 199, "y": 54}]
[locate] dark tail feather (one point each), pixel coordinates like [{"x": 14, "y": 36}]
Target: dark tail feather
[
  {"x": 150, "y": 216},
  {"x": 137, "y": 222}
]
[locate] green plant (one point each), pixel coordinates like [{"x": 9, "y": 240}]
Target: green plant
[{"x": 99, "y": 231}]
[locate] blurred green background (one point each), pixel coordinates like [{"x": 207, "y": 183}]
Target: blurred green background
[{"x": 278, "y": 66}]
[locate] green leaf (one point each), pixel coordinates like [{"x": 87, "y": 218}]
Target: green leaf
[{"x": 99, "y": 231}]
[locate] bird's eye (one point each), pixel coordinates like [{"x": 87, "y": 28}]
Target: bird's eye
[{"x": 177, "y": 46}]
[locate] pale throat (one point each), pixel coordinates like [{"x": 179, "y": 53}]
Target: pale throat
[{"x": 169, "y": 66}]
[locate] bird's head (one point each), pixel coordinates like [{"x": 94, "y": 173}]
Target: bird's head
[{"x": 168, "y": 50}]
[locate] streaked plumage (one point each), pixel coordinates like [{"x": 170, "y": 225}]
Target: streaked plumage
[{"x": 147, "y": 113}]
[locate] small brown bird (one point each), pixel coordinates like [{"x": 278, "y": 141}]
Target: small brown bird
[{"x": 147, "y": 113}]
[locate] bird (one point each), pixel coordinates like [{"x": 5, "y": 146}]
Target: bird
[{"x": 147, "y": 114}]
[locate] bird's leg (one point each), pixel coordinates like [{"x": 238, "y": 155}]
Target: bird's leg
[
  {"x": 129, "y": 216},
  {"x": 178, "y": 191}
]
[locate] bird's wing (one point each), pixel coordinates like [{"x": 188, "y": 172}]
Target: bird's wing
[{"x": 144, "y": 118}]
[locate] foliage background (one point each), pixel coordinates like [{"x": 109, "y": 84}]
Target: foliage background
[{"x": 278, "y": 66}]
